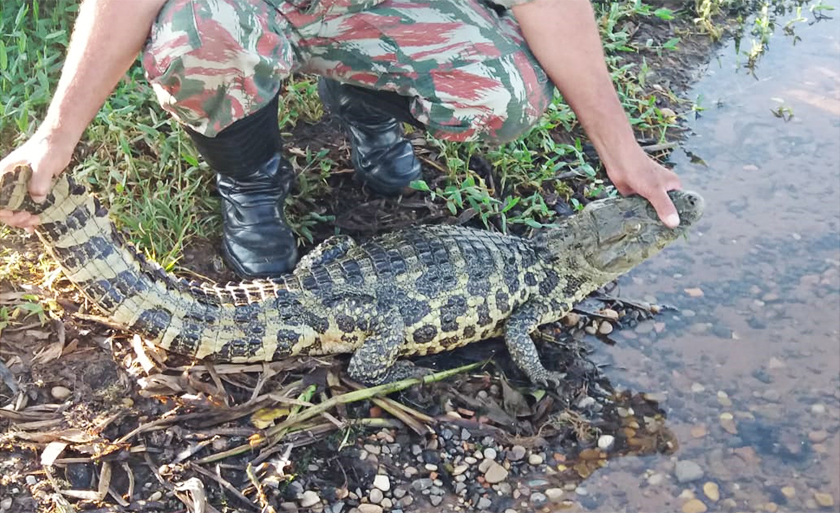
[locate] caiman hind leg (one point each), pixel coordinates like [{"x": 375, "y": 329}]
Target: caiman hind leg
[
  {"x": 518, "y": 328},
  {"x": 332, "y": 248},
  {"x": 375, "y": 362}
]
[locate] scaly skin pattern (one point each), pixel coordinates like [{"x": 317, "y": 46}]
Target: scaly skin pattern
[{"x": 413, "y": 292}]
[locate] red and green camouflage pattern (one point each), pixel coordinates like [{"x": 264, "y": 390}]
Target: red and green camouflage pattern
[{"x": 464, "y": 63}]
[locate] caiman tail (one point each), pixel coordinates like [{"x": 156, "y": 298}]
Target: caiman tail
[{"x": 138, "y": 295}]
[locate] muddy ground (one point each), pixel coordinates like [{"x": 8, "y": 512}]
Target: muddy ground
[{"x": 96, "y": 421}]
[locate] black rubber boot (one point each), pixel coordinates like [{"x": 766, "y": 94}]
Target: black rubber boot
[
  {"x": 383, "y": 159},
  {"x": 253, "y": 179}
]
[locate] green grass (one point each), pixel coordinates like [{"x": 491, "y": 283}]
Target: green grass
[{"x": 148, "y": 172}]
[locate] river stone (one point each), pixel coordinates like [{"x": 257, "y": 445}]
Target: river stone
[
  {"x": 495, "y": 473},
  {"x": 605, "y": 442},
  {"x": 484, "y": 503},
  {"x": 376, "y": 496},
  {"x": 382, "y": 482},
  {"x": 824, "y": 499},
  {"x": 60, "y": 393},
  {"x": 370, "y": 508},
  {"x": 516, "y": 453},
  {"x": 435, "y": 499},
  {"x": 712, "y": 491},
  {"x": 694, "y": 506},
  {"x": 554, "y": 494},
  {"x": 309, "y": 499},
  {"x": 421, "y": 484},
  {"x": 535, "y": 460},
  {"x": 817, "y": 436},
  {"x": 687, "y": 471},
  {"x": 538, "y": 498}
]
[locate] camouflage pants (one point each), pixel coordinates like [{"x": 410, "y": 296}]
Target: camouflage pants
[{"x": 466, "y": 67}]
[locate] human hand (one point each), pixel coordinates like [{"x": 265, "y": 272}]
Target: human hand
[
  {"x": 640, "y": 174},
  {"x": 47, "y": 158}
]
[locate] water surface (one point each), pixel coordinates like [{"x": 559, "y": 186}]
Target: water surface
[{"x": 750, "y": 364}]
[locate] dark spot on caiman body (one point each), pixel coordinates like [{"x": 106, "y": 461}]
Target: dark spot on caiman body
[
  {"x": 238, "y": 348},
  {"x": 425, "y": 334},
  {"x": 448, "y": 322},
  {"x": 95, "y": 248},
  {"x": 572, "y": 286},
  {"x": 502, "y": 301},
  {"x": 549, "y": 282},
  {"x": 411, "y": 310},
  {"x": 483, "y": 311},
  {"x": 345, "y": 323},
  {"x": 75, "y": 220},
  {"x": 286, "y": 339},
  {"x": 469, "y": 331},
  {"x": 188, "y": 339},
  {"x": 153, "y": 322},
  {"x": 530, "y": 279},
  {"x": 245, "y": 314}
]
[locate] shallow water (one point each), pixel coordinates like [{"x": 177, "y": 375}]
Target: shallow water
[{"x": 762, "y": 342}]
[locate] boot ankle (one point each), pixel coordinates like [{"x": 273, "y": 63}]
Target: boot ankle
[{"x": 383, "y": 158}]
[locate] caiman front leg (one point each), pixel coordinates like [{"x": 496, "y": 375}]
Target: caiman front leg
[
  {"x": 375, "y": 362},
  {"x": 522, "y": 322}
]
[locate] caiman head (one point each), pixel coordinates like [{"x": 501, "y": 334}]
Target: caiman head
[{"x": 611, "y": 236}]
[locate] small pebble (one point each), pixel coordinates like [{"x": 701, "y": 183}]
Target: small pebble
[
  {"x": 687, "y": 471},
  {"x": 818, "y": 409},
  {"x": 605, "y": 328},
  {"x": 712, "y": 491},
  {"x": 376, "y": 496},
  {"x": 538, "y": 498},
  {"x": 490, "y": 453},
  {"x": 309, "y": 499},
  {"x": 535, "y": 460},
  {"x": 605, "y": 442},
  {"x": 586, "y": 402},
  {"x": 581, "y": 491},
  {"x": 6, "y": 504},
  {"x": 435, "y": 499},
  {"x": 484, "y": 503},
  {"x": 495, "y": 474},
  {"x": 656, "y": 479},
  {"x": 775, "y": 363},
  {"x": 697, "y": 388},
  {"x": 789, "y": 492},
  {"x": 817, "y": 436},
  {"x": 554, "y": 494},
  {"x": 698, "y": 431},
  {"x": 459, "y": 469},
  {"x": 370, "y": 508},
  {"x": 386, "y": 503},
  {"x": 156, "y": 496},
  {"x": 826, "y": 500},
  {"x": 31, "y": 480},
  {"x": 516, "y": 453},
  {"x": 60, "y": 393},
  {"x": 382, "y": 482},
  {"x": 694, "y": 506}
]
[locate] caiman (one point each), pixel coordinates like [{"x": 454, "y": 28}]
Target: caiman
[{"x": 411, "y": 292}]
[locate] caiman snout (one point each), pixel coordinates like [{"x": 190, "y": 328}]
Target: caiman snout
[
  {"x": 689, "y": 205},
  {"x": 625, "y": 231}
]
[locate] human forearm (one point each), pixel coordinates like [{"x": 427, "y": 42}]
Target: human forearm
[
  {"x": 107, "y": 37},
  {"x": 563, "y": 36}
]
